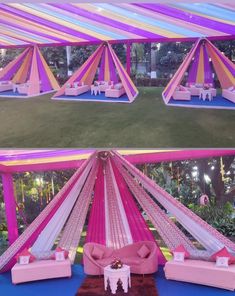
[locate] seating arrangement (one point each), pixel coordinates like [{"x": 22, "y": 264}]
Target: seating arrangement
[
  {"x": 201, "y": 272},
  {"x": 229, "y": 94},
  {"x": 40, "y": 270},
  {"x": 181, "y": 93},
  {"x": 195, "y": 88},
  {"x": 24, "y": 87},
  {"x": 140, "y": 256},
  {"x": 76, "y": 89},
  {"x": 115, "y": 91},
  {"x": 6, "y": 85}
]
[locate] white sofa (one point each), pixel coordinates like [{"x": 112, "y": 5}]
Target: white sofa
[
  {"x": 40, "y": 270},
  {"x": 229, "y": 95},
  {"x": 201, "y": 272},
  {"x": 76, "y": 89},
  {"x": 115, "y": 91},
  {"x": 6, "y": 85}
]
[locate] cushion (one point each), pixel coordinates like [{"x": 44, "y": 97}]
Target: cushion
[
  {"x": 179, "y": 256},
  {"x": 59, "y": 256},
  {"x": 223, "y": 253},
  {"x": 68, "y": 85},
  {"x": 222, "y": 261},
  {"x": 118, "y": 86},
  {"x": 143, "y": 251},
  {"x": 230, "y": 88},
  {"x": 97, "y": 253},
  {"x": 59, "y": 249},
  {"x": 181, "y": 248},
  {"x": 24, "y": 253}
]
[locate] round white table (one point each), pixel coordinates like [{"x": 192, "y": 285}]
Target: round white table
[
  {"x": 113, "y": 276},
  {"x": 95, "y": 89},
  {"x": 205, "y": 93}
]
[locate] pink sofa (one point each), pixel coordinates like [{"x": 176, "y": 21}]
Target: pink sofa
[
  {"x": 40, "y": 270},
  {"x": 78, "y": 90},
  {"x": 5, "y": 85},
  {"x": 115, "y": 91},
  {"x": 201, "y": 272},
  {"x": 229, "y": 95},
  {"x": 128, "y": 255}
]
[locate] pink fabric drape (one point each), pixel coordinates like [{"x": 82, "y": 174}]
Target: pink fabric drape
[{"x": 96, "y": 221}]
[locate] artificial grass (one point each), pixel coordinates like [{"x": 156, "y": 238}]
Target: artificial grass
[{"x": 147, "y": 122}]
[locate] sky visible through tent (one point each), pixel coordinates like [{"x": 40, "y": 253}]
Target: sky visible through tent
[{"x": 91, "y": 23}]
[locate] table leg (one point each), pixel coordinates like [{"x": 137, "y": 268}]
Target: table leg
[
  {"x": 105, "y": 283},
  {"x": 113, "y": 285}
]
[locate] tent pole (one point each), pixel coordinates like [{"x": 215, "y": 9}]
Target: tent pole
[
  {"x": 10, "y": 206},
  {"x": 128, "y": 58}
]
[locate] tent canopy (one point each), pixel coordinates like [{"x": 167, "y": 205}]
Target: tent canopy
[
  {"x": 108, "y": 61},
  {"x": 200, "y": 71},
  {"x": 59, "y": 159},
  {"x": 30, "y": 66},
  {"x": 91, "y": 23}
]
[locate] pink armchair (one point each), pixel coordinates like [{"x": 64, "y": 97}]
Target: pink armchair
[{"x": 128, "y": 255}]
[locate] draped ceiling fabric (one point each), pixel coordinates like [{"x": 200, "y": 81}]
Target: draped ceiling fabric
[
  {"x": 116, "y": 191},
  {"x": 12, "y": 161},
  {"x": 92, "y": 23},
  {"x": 105, "y": 57},
  {"x": 200, "y": 71},
  {"x": 30, "y": 66}
]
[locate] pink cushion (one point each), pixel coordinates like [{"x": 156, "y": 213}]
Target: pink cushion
[
  {"x": 223, "y": 253},
  {"x": 25, "y": 252},
  {"x": 97, "y": 253},
  {"x": 182, "y": 249},
  {"x": 143, "y": 251}
]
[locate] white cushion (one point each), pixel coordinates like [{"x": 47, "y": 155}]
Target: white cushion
[
  {"x": 222, "y": 262},
  {"x": 178, "y": 256}
]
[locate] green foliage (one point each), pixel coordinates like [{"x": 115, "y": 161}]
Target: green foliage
[{"x": 220, "y": 217}]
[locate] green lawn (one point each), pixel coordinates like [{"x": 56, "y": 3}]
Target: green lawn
[{"x": 41, "y": 122}]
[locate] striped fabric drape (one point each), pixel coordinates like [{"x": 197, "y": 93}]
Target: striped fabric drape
[
  {"x": 72, "y": 232},
  {"x": 208, "y": 236}
]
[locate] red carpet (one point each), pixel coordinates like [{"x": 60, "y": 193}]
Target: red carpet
[{"x": 94, "y": 286}]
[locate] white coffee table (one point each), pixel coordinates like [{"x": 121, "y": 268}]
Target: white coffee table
[
  {"x": 113, "y": 276},
  {"x": 95, "y": 89},
  {"x": 205, "y": 93}
]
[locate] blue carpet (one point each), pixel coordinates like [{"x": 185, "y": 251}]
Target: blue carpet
[
  {"x": 217, "y": 102},
  {"x": 11, "y": 93},
  {"x": 88, "y": 97},
  {"x": 69, "y": 287}
]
